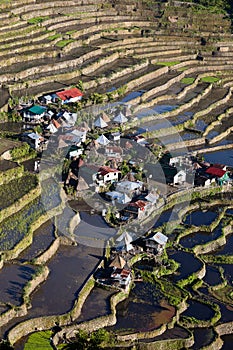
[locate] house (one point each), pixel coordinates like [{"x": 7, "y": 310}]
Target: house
[
  {"x": 203, "y": 180},
  {"x": 155, "y": 243},
  {"x": 120, "y": 118},
  {"x": 138, "y": 209},
  {"x": 119, "y": 197},
  {"x": 33, "y": 139},
  {"x": 221, "y": 176},
  {"x": 105, "y": 117},
  {"x": 129, "y": 187},
  {"x": 125, "y": 241},
  {"x": 49, "y": 98},
  {"x": 118, "y": 262},
  {"x": 80, "y": 133},
  {"x": 114, "y": 152},
  {"x": 102, "y": 140},
  {"x": 46, "y": 99},
  {"x": 122, "y": 277},
  {"x": 52, "y": 128},
  {"x": 115, "y": 136},
  {"x": 69, "y": 96},
  {"x": 34, "y": 114},
  {"x": 106, "y": 175},
  {"x": 100, "y": 123},
  {"x": 179, "y": 178},
  {"x": 152, "y": 197}
]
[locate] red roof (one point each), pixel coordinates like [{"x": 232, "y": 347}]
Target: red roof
[
  {"x": 215, "y": 171},
  {"x": 67, "y": 94},
  {"x": 56, "y": 124},
  {"x": 138, "y": 204},
  {"x": 104, "y": 170}
]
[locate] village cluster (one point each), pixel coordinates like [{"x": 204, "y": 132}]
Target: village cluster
[{"x": 103, "y": 159}]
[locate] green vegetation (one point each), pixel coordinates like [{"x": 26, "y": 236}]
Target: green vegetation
[
  {"x": 215, "y": 6},
  {"x": 93, "y": 341},
  {"x": 168, "y": 64},
  {"x": 63, "y": 43},
  {"x": 15, "y": 189},
  {"x": 16, "y": 227},
  {"x": 210, "y": 79},
  {"x": 37, "y": 20},
  {"x": 173, "y": 293},
  {"x": 53, "y": 37},
  {"x": 187, "y": 80},
  {"x": 22, "y": 152},
  {"x": 39, "y": 341}
]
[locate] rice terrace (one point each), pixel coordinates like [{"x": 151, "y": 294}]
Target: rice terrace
[{"x": 116, "y": 174}]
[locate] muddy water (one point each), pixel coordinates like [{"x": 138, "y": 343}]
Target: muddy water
[
  {"x": 174, "y": 333},
  {"x": 12, "y": 281},
  {"x": 144, "y": 310},
  {"x": 97, "y": 304},
  {"x": 42, "y": 238},
  {"x": 68, "y": 271}
]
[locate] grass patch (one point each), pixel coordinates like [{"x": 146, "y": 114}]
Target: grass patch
[
  {"x": 53, "y": 37},
  {"x": 168, "y": 64},
  {"x": 37, "y": 20},
  {"x": 188, "y": 80},
  {"x": 63, "y": 43},
  {"x": 210, "y": 79},
  {"x": 39, "y": 341},
  {"x": 70, "y": 32}
]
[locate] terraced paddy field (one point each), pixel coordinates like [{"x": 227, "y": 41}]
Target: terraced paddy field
[{"x": 171, "y": 64}]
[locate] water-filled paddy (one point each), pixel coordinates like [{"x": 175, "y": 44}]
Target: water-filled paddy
[
  {"x": 202, "y": 337},
  {"x": 144, "y": 309},
  {"x": 225, "y": 157},
  {"x": 68, "y": 270},
  {"x": 200, "y": 237},
  {"x": 42, "y": 238},
  {"x": 198, "y": 310},
  {"x": 97, "y": 304},
  {"x": 227, "y": 249},
  {"x": 199, "y": 218},
  {"x": 188, "y": 264},
  {"x": 12, "y": 281},
  {"x": 212, "y": 276},
  {"x": 228, "y": 341}
]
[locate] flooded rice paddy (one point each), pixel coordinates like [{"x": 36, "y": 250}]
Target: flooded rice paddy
[{"x": 143, "y": 310}]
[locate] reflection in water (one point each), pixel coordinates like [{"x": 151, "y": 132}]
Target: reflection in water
[
  {"x": 202, "y": 337},
  {"x": 199, "y": 218},
  {"x": 199, "y": 310},
  {"x": 144, "y": 310}
]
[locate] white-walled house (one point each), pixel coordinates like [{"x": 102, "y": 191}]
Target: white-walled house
[
  {"x": 106, "y": 175},
  {"x": 34, "y": 114},
  {"x": 179, "y": 178},
  {"x": 129, "y": 187}
]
